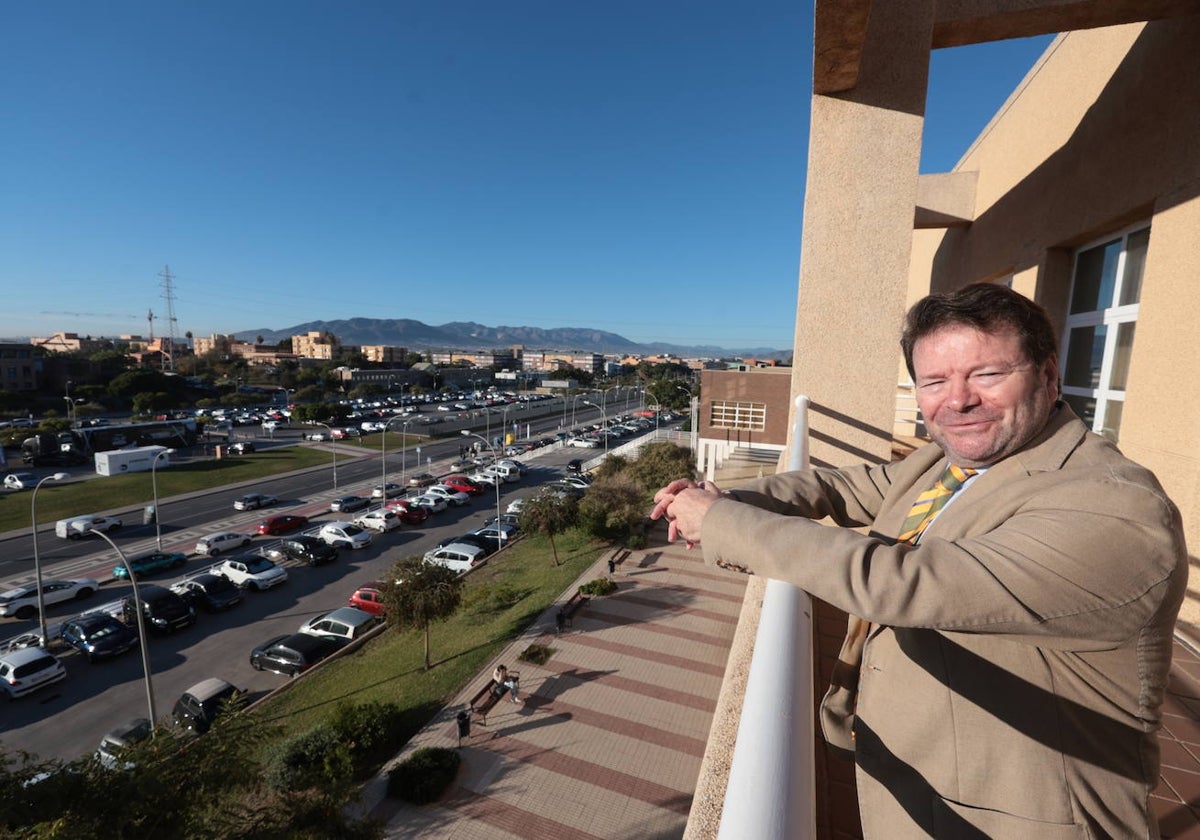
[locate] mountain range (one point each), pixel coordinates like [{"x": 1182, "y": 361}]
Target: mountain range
[{"x": 467, "y": 336}]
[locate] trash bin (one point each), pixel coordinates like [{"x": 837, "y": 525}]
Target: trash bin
[
  {"x": 149, "y": 515},
  {"x": 464, "y": 724}
]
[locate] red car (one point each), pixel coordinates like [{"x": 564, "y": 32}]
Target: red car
[
  {"x": 284, "y": 524},
  {"x": 462, "y": 484},
  {"x": 412, "y": 514},
  {"x": 369, "y": 598}
]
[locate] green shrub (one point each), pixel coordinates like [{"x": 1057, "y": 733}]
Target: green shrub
[
  {"x": 536, "y": 654},
  {"x": 599, "y": 586},
  {"x": 371, "y": 730},
  {"x": 316, "y": 758},
  {"x": 424, "y": 776}
]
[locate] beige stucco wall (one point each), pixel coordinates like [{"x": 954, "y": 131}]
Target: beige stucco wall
[{"x": 1102, "y": 133}]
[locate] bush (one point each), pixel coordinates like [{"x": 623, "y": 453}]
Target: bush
[
  {"x": 311, "y": 759},
  {"x": 424, "y": 776},
  {"x": 599, "y": 586},
  {"x": 371, "y": 730}
]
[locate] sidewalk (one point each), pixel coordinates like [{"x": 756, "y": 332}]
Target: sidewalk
[{"x": 609, "y": 739}]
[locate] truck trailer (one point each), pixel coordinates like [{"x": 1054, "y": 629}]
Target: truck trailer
[{"x": 139, "y": 459}]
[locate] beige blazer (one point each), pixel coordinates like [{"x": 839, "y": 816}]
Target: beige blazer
[{"x": 1012, "y": 685}]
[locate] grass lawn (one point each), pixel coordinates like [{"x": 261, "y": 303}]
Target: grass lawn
[
  {"x": 58, "y": 501},
  {"x": 390, "y": 667}
]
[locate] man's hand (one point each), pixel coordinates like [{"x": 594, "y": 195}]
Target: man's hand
[{"x": 684, "y": 503}]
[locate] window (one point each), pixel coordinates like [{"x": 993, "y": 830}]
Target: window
[
  {"x": 1098, "y": 339},
  {"x": 727, "y": 414}
]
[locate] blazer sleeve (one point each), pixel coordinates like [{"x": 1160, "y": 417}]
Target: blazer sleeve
[{"x": 1077, "y": 564}]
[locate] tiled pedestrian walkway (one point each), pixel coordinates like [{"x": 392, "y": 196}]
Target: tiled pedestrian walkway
[{"x": 608, "y": 741}]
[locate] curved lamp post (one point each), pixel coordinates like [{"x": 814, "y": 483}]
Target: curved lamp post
[
  {"x": 495, "y": 459},
  {"x": 154, "y": 487},
  {"x": 141, "y": 625},
  {"x": 383, "y": 451},
  {"x": 37, "y": 563},
  {"x": 332, "y": 448},
  {"x": 605, "y": 415},
  {"x": 403, "y": 446}
]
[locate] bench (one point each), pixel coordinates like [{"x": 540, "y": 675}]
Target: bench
[
  {"x": 567, "y": 611},
  {"x": 485, "y": 700}
]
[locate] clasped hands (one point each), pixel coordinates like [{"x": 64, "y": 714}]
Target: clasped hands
[{"x": 684, "y": 503}]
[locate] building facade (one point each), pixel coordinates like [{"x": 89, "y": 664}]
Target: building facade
[{"x": 20, "y": 369}]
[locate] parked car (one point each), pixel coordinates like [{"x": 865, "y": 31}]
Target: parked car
[
  {"x": 254, "y": 501},
  {"x": 115, "y": 740},
  {"x": 318, "y": 436},
  {"x": 22, "y": 601},
  {"x": 513, "y": 519},
  {"x": 283, "y": 524},
  {"x": 460, "y": 557},
  {"x": 421, "y": 480},
  {"x": 344, "y": 622},
  {"x": 584, "y": 442},
  {"x": 98, "y": 636},
  {"x": 580, "y": 481},
  {"x": 382, "y": 491},
  {"x": 251, "y": 571},
  {"x": 379, "y": 521},
  {"x": 210, "y": 592},
  {"x": 369, "y": 598},
  {"x": 515, "y": 506},
  {"x": 199, "y": 706},
  {"x": 485, "y": 478},
  {"x": 20, "y": 481},
  {"x": 412, "y": 514},
  {"x": 242, "y": 447},
  {"x": 497, "y": 535},
  {"x": 452, "y": 496},
  {"x": 433, "y": 504},
  {"x": 462, "y": 484},
  {"x": 294, "y": 654},
  {"x": 214, "y": 544},
  {"x": 575, "y": 465},
  {"x": 346, "y": 504},
  {"x": 151, "y": 561},
  {"x": 164, "y": 611},
  {"x": 345, "y": 534},
  {"x": 488, "y": 546},
  {"x": 308, "y": 550},
  {"x": 28, "y": 669}
]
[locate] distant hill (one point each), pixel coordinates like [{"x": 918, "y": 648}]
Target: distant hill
[{"x": 467, "y": 335}]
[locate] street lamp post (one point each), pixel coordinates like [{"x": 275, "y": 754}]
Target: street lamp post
[
  {"x": 37, "y": 563},
  {"x": 403, "y": 446},
  {"x": 495, "y": 459},
  {"x": 141, "y": 625},
  {"x": 604, "y": 413},
  {"x": 154, "y": 487},
  {"x": 332, "y": 448},
  {"x": 383, "y": 452}
]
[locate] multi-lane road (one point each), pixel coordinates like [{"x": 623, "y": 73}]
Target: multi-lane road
[{"x": 69, "y": 719}]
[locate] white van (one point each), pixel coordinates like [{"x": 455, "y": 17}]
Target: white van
[
  {"x": 461, "y": 557},
  {"x": 506, "y": 472},
  {"x": 81, "y": 526}
]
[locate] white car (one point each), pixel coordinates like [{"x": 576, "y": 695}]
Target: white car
[
  {"x": 22, "y": 601},
  {"x": 389, "y": 490},
  {"x": 576, "y": 481},
  {"x": 20, "y": 481},
  {"x": 515, "y": 506},
  {"x": 251, "y": 572},
  {"x": 28, "y": 669},
  {"x": 585, "y": 443},
  {"x": 254, "y": 501},
  {"x": 380, "y": 521},
  {"x": 482, "y": 477},
  {"x": 318, "y": 436},
  {"x": 345, "y": 534},
  {"x": 433, "y": 504},
  {"x": 452, "y": 496},
  {"x": 344, "y": 622},
  {"x": 214, "y": 544}
]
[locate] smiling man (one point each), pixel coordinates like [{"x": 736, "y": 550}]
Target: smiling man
[{"x": 1018, "y": 584}]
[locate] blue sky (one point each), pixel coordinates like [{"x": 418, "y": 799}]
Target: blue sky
[{"x": 527, "y": 163}]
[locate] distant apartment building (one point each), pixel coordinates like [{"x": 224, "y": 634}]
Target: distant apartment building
[
  {"x": 229, "y": 346},
  {"x": 589, "y": 362},
  {"x": 19, "y": 368},
  {"x": 478, "y": 358},
  {"x": 384, "y": 354},
  {"x": 321, "y": 345},
  {"x": 69, "y": 342}
]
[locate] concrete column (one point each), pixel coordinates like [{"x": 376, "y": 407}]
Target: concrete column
[{"x": 864, "y": 151}]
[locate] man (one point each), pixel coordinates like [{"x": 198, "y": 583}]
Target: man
[{"x": 1006, "y": 676}]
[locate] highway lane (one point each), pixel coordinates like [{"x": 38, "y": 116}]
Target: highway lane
[{"x": 68, "y": 719}]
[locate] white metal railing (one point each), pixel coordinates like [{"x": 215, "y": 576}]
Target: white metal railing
[{"x": 771, "y": 789}]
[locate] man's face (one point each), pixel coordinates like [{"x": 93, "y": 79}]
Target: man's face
[{"x": 981, "y": 398}]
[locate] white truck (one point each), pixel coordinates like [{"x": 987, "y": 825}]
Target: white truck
[
  {"x": 251, "y": 572},
  {"x": 138, "y": 459},
  {"x": 81, "y": 526}
]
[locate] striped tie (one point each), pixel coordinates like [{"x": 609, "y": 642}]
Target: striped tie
[{"x": 927, "y": 505}]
